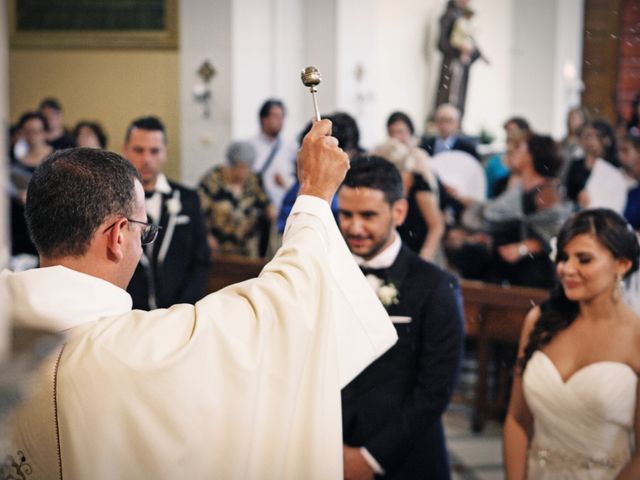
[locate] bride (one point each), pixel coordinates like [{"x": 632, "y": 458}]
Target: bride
[{"x": 573, "y": 411}]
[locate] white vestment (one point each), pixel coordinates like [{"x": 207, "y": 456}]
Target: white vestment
[{"x": 243, "y": 385}]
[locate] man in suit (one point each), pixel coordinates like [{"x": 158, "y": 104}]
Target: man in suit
[
  {"x": 392, "y": 410},
  {"x": 447, "y": 121},
  {"x": 175, "y": 268}
]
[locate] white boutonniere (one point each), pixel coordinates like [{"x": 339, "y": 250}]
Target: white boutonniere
[
  {"x": 174, "y": 206},
  {"x": 388, "y": 294}
]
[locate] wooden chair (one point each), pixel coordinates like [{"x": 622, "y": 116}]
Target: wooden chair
[
  {"x": 230, "y": 269},
  {"x": 494, "y": 313}
]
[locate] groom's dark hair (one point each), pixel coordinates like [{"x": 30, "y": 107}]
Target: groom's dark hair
[{"x": 371, "y": 171}]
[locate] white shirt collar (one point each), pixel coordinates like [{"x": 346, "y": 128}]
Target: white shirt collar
[
  {"x": 385, "y": 258},
  {"x": 154, "y": 203},
  {"x": 162, "y": 184}
]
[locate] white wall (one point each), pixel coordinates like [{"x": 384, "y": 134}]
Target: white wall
[
  {"x": 403, "y": 53},
  {"x": 547, "y": 43},
  {"x": 260, "y": 46},
  {"x": 205, "y": 34},
  {"x": 321, "y": 49},
  {"x": 489, "y": 95},
  {"x": 533, "y": 67},
  {"x": 357, "y": 65},
  {"x": 267, "y": 52},
  {"x": 568, "y": 62}
]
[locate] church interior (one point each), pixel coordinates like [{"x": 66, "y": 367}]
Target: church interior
[{"x": 204, "y": 68}]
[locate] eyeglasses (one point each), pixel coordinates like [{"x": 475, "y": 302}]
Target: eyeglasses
[{"x": 148, "y": 233}]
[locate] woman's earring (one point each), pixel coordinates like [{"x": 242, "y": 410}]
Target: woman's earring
[{"x": 618, "y": 289}]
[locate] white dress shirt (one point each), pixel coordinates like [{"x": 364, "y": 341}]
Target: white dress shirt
[{"x": 383, "y": 260}]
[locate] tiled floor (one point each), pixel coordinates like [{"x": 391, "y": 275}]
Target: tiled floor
[{"x": 473, "y": 456}]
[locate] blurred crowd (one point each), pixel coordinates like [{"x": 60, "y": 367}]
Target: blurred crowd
[{"x": 487, "y": 213}]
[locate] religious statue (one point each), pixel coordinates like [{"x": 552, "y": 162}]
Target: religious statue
[{"x": 459, "y": 50}]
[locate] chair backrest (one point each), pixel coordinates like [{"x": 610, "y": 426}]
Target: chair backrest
[
  {"x": 229, "y": 269},
  {"x": 498, "y": 312},
  {"x": 461, "y": 171}
]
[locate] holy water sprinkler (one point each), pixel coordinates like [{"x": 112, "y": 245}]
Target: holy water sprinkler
[{"x": 311, "y": 78}]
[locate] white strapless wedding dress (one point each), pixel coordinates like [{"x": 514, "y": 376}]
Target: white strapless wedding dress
[{"x": 583, "y": 428}]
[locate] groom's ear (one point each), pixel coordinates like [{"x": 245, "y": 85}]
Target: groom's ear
[{"x": 399, "y": 211}]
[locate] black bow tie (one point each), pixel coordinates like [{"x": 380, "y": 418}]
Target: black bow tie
[
  {"x": 149, "y": 194},
  {"x": 381, "y": 273}
]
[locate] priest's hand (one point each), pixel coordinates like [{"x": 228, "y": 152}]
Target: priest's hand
[
  {"x": 355, "y": 466},
  {"x": 322, "y": 164}
]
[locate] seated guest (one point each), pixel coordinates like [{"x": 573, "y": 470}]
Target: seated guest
[
  {"x": 57, "y": 136},
  {"x": 32, "y": 127},
  {"x": 400, "y": 127},
  {"x": 17, "y": 144},
  {"x": 175, "y": 268},
  {"x": 594, "y": 180},
  {"x": 629, "y": 155},
  {"x": 497, "y": 171},
  {"x": 507, "y": 238},
  {"x": 345, "y": 129},
  {"x": 570, "y": 145},
  {"x": 447, "y": 121},
  {"x": 234, "y": 201},
  {"x": 90, "y": 135},
  {"x": 391, "y": 412},
  {"x": 423, "y": 227}
]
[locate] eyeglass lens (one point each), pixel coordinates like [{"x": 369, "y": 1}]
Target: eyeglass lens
[{"x": 148, "y": 234}]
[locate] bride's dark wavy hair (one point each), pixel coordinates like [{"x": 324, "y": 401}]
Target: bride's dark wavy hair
[{"x": 558, "y": 312}]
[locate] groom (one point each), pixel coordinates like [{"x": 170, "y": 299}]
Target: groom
[{"x": 391, "y": 411}]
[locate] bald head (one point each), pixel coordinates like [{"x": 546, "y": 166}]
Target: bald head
[{"x": 447, "y": 120}]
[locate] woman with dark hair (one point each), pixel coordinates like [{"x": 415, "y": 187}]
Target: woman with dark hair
[
  {"x": 90, "y": 135},
  {"x": 570, "y": 144},
  {"x": 496, "y": 168},
  {"x": 424, "y": 226},
  {"x": 507, "y": 239},
  {"x": 33, "y": 128},
  {"x": 573, "y": 411},
  {"x": 595, "y": 181},
  {"x": 400, "y": 126}
]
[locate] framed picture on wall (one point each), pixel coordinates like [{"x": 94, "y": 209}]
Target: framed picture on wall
[{"x": 93, "y": 24}]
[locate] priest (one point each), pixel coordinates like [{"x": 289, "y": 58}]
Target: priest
[{"x": 245, "y": 384}]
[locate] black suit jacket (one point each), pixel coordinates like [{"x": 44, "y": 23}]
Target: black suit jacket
[
  {"x": 394, "y": 407},
  {"x": 428, "y": 143},
  {"x": 175, "y": 268}
]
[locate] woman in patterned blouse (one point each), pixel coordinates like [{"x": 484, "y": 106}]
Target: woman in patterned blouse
[{"x": 233, "y": 201}]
